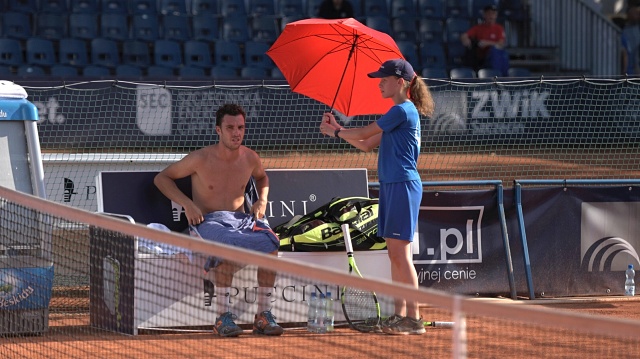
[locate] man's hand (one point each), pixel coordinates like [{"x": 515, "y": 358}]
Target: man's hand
[
  {"x": 258, "y": 209},
  {"x": 193, "y": 214}
]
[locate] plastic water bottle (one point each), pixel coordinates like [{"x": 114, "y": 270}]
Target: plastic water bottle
[
  {"x": 312, "y": 314},
  {"x": 630, "y": 283},
  {"x": 329, "y": 313},
  {"x": 321, "y": 314}
]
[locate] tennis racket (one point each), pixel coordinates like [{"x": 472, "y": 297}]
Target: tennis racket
[
  {"x": 361, "y": 308},
  {"x": 439, "y": 324}
]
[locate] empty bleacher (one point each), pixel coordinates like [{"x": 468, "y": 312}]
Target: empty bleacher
[{"x": 206, "y": 38}]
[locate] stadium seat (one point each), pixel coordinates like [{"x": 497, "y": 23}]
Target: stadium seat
[
  {"x": 486, "y": 73},
  {"x": 52, "y": 26},
  {"x": 478, "y": 5},
  {"x": 128, "y": 71},
  {"x": 83, "y": 25},
  {"x": 114, "y": 6},
  {"x": 288, "y": 8},
  {"x": 430, "y": 30},
  {"x": 455, "y": 54},
  {"x": 227, "y": 54},
  {"x": 432, "y": 55},
  {"x": 136, "y": 53},
  {"x": 262, "y": 7},
  {"x": 380, "y": 23},
  {"x": 462, "y": 73},
  {"x": 191, "y": 71},
  {"x": 519, "y": 72},
  {"x": 176, "y": 27},
  {"x": 95, "y": 71},
  {"x": 114, "y": 26},
  {"x": 287, "y": 19},
  {"x": 401, "y": 8},
  {"x": 232, "y": 8},
  {"x": 159, "y": 71},
  {"x": 84, "y": 6},
  {"x": 40, "y": 52},
  {"x": 456, "y": 9},
  {"x": 512, "y": 10},
  {"x": 255, "y": 55},
  {"x": 167, "y": 53},
  {"x": 197, "y": 54},
  {"x": 72, "y": 52},
  {"x": 431, "y": 9},
  {"x": 23, "y": 6},
  {"x": 249, "y": 72},
  {"x": 143, "y": 7},
  {"x": 264, "y": 28},
  {"x": 375, "y": 8},
  {"x": 11, "y": 52},
  {"x": 104, "y": 52},
  {"x": 312, "y": 7},
  {"x": 52, "y": 6},
  {"x": 454, "y": 28},
  {"x": 235, "y": 28},
  {"x": 30, "y": 70},
  {"x": 405, "y": 29},
  {"x": 277, "y": 74},
  {"x": 173, "y": 7},
  {"x": 205, "y": 27},
  {"x": 16, "y": 25},
  {"x": 206, "y": 7},
  {"x": 410, "y": 52},
  {"x": 434, "y": 73},
  {"x": 6, "y": 71},
  {"x": 64, "y": 71},
  {"x": 145, "y": 27},
  {"x": 224, "y": 72}
]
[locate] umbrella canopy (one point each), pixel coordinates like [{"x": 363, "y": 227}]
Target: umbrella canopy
[{"x": 328, "y": 60}]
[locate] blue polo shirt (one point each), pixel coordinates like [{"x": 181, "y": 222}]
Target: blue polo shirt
[{"x": 400, "y": 144}]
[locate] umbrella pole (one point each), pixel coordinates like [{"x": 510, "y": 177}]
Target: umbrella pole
[{"x": 353, "y": 49}]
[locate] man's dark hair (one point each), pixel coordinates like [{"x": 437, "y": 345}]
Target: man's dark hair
[{"x": 229, "y": 109}]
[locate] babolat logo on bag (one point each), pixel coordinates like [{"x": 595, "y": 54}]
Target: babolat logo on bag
[{"x": 320, "y": 230}]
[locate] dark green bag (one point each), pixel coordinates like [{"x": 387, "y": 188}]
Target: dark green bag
[{"x": 320, "y": 230}]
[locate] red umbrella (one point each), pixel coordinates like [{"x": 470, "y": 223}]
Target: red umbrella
[{"x": 328, "y": 60}]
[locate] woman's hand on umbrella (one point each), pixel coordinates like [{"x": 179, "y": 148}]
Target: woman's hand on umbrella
[{"x": 329, "y": 124}]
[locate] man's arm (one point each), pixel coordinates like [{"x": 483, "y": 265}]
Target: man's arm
[
  {"x": 259, "y": 207},
  {"x": 165, "y": 181}
]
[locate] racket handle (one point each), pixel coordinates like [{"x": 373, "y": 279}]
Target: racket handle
[
  {"x": 347, "y": 238},
  {"x": 439, "y": 324}
]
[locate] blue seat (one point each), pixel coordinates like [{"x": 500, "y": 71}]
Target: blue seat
[
  {"x": 6, "y": 71},
  {"x": 176, "y": 27},
  {"x": 114, "y": 6},
  {"x": 454, "y": 28},
  {"x": 486, "y": 73},
  {"x": 312, "y": 7},
  {"x": 431, "y": 9},
  {"x": 64, "y": 71},
  {"x": 159, "y": 71},
  {"x": 114, "y": 26},
  {"x": 197, "y": 54},
  {"x": 128, "y": 71},
  {"x": 11, "y": 52},
  {"x": 435, "y": 73},
  {"x": 143, "y": 7},
  {"x": 512, "y": 10},
  {"x": 190, "y": 71},
  {"x": 432, "y": 54},
  {"x": 17, "y": 25},
  {"x": 52, "y": 6},
  {"x": 430, "y": 30},
  {"x": 173, "y": 7},
  {"x": 400, "y": 8},
  {"x": 255, "y": 55},
  {"x": 457, "y": 8},
  {"x": 224, "y": 72},
  {"x": 136, "y": 53},
  {"x": 410, "y": 52},
  {"x": 277, "y": 74},
  {"x": 405, "y": 29},
  {"x": 84, "y": 6},
  {"x": 40, "y": 52},
  {"x": 95, "y": 71},
  {"x": 262, "y": 7},
  {"x": 375, "y": 8},
  {"x": 30, "y": 70},
  {"x": 227, "y": 54},
  {"x": 264, "y": 28},
  {"x": 249, "y": 72},
  {"x": 72, "y": 52},
  {"x": 83, "y": 25},
  {"x": 288, "y": 8},
  {"x": 462, "y": 73},
  {"x": 205, "y": 27},
  {"x": 145, "y": 27},
  {"x": 24, "y": 6},
  {"x": 478, "y": 5},
  {"x": 287, "y": 19},
  {"x": 455, "y": 54},
  {"x": 380, "y": 23},
  {"x": 232, "y": 8},
  {"x": 52, "y": 26},
  {"x": 235, "y": 28},
  {"x": 167, "y": 53},
  {"x": 207, "y": 7},
  {"x": 104, "y": 52},
  {"x": 519, "y": 72}
]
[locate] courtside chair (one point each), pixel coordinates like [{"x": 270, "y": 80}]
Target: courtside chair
[
  {"x": 104, "y": 52},
  {"x": 136, "y": 53},
  {"x": 159, "y": 71},
  {"x": 83, "y": 25},
  {"x": 405, "y": 28},
  {"x": 227, "y": 54},
  {"x": 17, "y": 25},
  {"x": 288, "y": 8},
  {"x": 462, "y": 73},
  {"x": 167, "y": 53},
  {"x": 219, "y": 72},
  {"x": 232, "y": 8},
  {"x": 114, "y": 26},
  {"x": 435, "y": 73},
  {"x": 72, "y": 52},
  {"x": 30, "y": 70},
  {"x": 84, "y": 6},
  {"x": 40, "y": 52},
  {"x": 64, "y": 71},
  {"x": 205, "y": 27},
  {"x": 143, "y": 7},
  {"x": 401, "y": 8},
  {"x": 264, "y": 28},
  {"x": 256, "y": 73},
  {"x": 262, "y": 7},
  {"x": 235, "y": 28},
  {"x": 125, "y": 70},
  {"x": 430, "y": 30},
  {"x": 114, "y": 6},
  {"x": 52, "y": 26},
  {"x": 431, "y": 9},
  {"x": 487, "y": 73},
  {"x": 208, "y": 7},
  {"x": 191, "y": 71},
  {"x": 173, "y": 7},
  {"x": 11, "y": 52},
  {"x": 95, "y": 71},
  {"x": 145, "y": 27},
  {"x": 380, "y": 23},
  {"x": 375, "y": 8},
  {"x": 255, "y": 55},
  {"x": 24, "y": 6},
  {"x": 409, "y": 50},
  {"x": 53, "y": 6},
  {"x": 457, "y": 8},
  {"x": 432, "y": 55},
  {"x": 197, "y": 54},
  {"x": 176, "y": 27}
]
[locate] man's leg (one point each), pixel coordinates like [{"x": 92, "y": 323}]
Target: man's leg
[
  {"x": 264, "y": 322},
  {"x": 225, "y": 325}
]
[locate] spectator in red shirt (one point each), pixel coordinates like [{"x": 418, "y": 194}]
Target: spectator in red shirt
[{"x": 486, "y": 42}]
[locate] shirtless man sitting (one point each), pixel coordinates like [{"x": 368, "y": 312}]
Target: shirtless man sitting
[{"x": 219, "y": 174}]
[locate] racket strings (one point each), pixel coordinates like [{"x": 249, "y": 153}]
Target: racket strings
[{"x": 360, "y": 305}]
